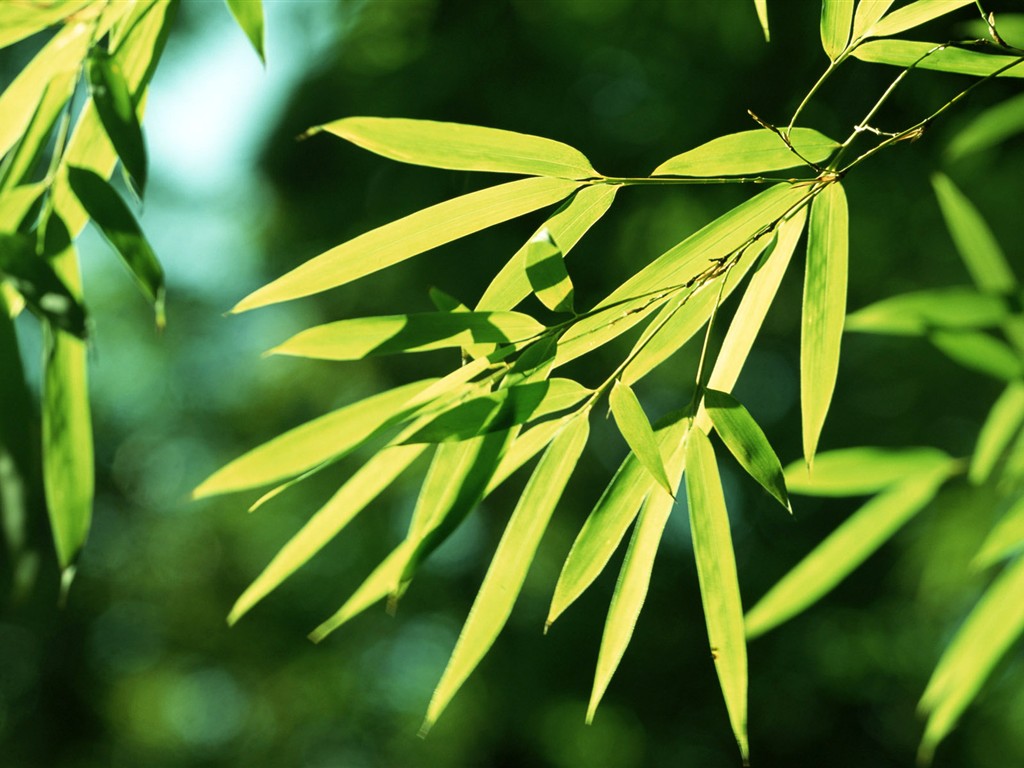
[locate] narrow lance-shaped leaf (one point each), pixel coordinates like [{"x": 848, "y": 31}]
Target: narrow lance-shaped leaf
[
  {"x": 18, "y": 166},
  {"x": 747, "y": 442},
  {"x": 909, "y": 53},
  {"x": 918, "y": 312},
  {"x": 823, "y": 311},
  {"x": 761, "y": 6},
  {"x": 1003, "y": 422},
  {"x": 21, "y": 20},
  {"x": 861, "y": 471},
  {"x": 460, "y": 147},
  {"x": 836, "y": 18},
  {"x": 719, "y": 584},
  {"x": 636, "y": 429},
  {"x": 410, "y": 236},
  {"x": 545, "y": 269},
  {"x": 119, "y": 227},
  {"x": 914, "y": 15},
  {"x": 996, "y": 622},
  {"x": 40, "y": 284},
  {"x": 989, "y": 129},
  {"x": 845, "y": 549},
  {"x": 116, "y": 110},
  {"x": 868, "y": 13},
  {"x": 1005, "y": 538},
  {"x": 980, "y": 352},
  {"x": 249, "y": 15},
  {"x": 511, "y": 561},
  {"x": 747, "y": 152}
]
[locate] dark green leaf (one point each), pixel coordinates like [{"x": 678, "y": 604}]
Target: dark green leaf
[
  {"x": 36, "y": 280},
  {"x": 116, "y": 111}
]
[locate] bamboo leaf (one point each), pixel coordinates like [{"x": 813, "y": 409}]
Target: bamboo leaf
[
  {"x": 249, "y": 15},
  {"x": 762, "y": 15},
  {"x": 974, "y": 240},
  {"x": 836, "y": 18},
  {"x": 461, "y": 147},
  {"x": 37, "y": 281},
  {"x": 1003, "y": 422},
  {"x": 526, "y": 445},
  {"x": 868, "y": 13},
  {"x": 979, "y": 352},
  {"x": 612, "y": 515},
  {"x": 750, "y": 152},
  {"x": 545, "y": 269},
  {"x": 995, "y": 623},
  {"x": 362, "y": 488},
  {"x": 823, "y": 310},
  {"x": 909, "y": 53},
  {"x": 116, "y": 110},
  {"x": 511, "y": 561},
  {"x": 410, "y": 236},
  {"x": 1005, "y": 538},
  {"x": 988, "y": 129},
  {"x": 914, "y": 15},
  {"x": 747, "y": 442},
  {"x": 845, "y": 549},
  {"x": 636, "y": 429},
  {"x": 26, "y": 153},
  {"x": 719, "y": 585},
  {"x": 17, "y": 204},
  {"x": 21, "y": 20},
  {"x": 861, "y": 471},
  {"x": 918, "y": 312}
]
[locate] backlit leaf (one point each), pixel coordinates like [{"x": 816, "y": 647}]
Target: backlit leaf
[
  {"x": 1005, "y": 538},
  {"x": 749, "y": 152},
  {"x": 762, "y": 15},
  {"x": 836, "y": 18},
  {"x": 719, "y": 585},
  {"x": 860, "y": 471},
  {"x": 914, "y": 15},
  {"x": 21, "y": 20},
  {"x": 634, "y": 426},
  {"x": 868, "y": 13},
  {"x": 545, "y": 269},
  {"x": 907, "y": 53},
  {"x": 980, "y": 352},
  {"x": 824, "y": 310},
  {"x": 39, "y": 284},
  {"x": 918, "y": 312},
  {"x": 988, "y": 129},
  {"x": 1003, "y": 422},
  {"x": 116, "y": 110},
  {"x": 460, "y": 147},
  {"x": 33, "y": 143},
  {"x": 249, "y": 15}
]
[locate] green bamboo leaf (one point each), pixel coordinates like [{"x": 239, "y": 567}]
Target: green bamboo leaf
[
  {"x": 990, "y": 128},
  {"x": 410, "y": 236},
  {"x": 392, "y": 334},
  {"x": 1012, "y": 474},
  {"x": 867, "y": 15},
  {"x": 747, "y": 442},
  {"x": 21, "y": 20},
  {"x": 461, "y": 147},
  {"x": 860, "y": 471},
  {"x": 511, "y": 561},
  {"x": 719, "y": 585},
  {"x": 749, "y": 152},
  {"x": 17, "y": 203},
  {"x": 979, "y": 352},
  {"x": 974, "y": 240},
  {"x": 823, "y": 310},
  {"x": 918, "y": 312},
  {"x": 836, "y": 18},
  {"x": 249, "y": 15},
  {"x": 995, "y": 623},
  {"x": 325, "y": 438},
  {"x": 545, "y": 269},
  {"x": 566, "y": 227},
  {"x": 1010, "y": 27},
  {"x": 845, "y": 549},
  {"x": 612, "y": 515},
  {"x": 909, "y": 53},
  {"x": 41, "y": 286},
  {"x": 1005, "y": 538},
  {"x": 1003, "y": 422},
  {"x": 32, "y": 144},
  {"x": 526, "y": 445},
  {"x": 750, "y": 314},
  {"x": 914, "y": 15},
  {"x": 116, "y": 110},
  {"x": 118, "y": 225},
  {"x": 762, "y": 15},
  {"x": 636, "y": 429}
]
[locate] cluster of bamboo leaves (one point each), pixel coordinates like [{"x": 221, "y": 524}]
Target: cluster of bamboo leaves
[{"x": 506, "y": 404}]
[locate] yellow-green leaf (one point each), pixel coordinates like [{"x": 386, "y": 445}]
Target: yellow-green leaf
[
  {"x": 823, "y": 311},
  {"x": 511, "y": 561},
  {"x": 918, "y": 312},
  {"x": 980, "y": 352},
  {"x": 19, "y": 20},
  {"x": 860, "y": 471},
  {"x": 1005, "y": 538},
  {"x": 249, "y": 15},
  {"x": 749, "y": 152},
  {"x": 762, "y": 16},
  {"x": 39, "y": 284},
  {"x": 868, "y": 13},
  {"x": 410, "y": 236},
  {"x": 909, "y": 53},
  {"x": 634, "y": 426},
  {"x": 836, "y": 18},
  {"x": 914, "y": 15},
  {"x": 545, "y": 269},
  {"x": 1003, "y": 422},
  {"x": 526, "y": 445},
  {"x": 845, "y": 549},
  {"x": 460, "y": 147},
  {"x": 989, "y": 128},
  {"x": 33, "y": 142},
  {"x": 719, "y": 585}
]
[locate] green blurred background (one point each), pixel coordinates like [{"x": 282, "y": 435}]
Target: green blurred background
[{"x": 140, "y": 669}]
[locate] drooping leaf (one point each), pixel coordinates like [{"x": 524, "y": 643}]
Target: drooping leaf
[
  {"x": 974, "y": 240},
  {"x": 607, "y": 523},
  {"x": 988, "y": 129},
  {"x": 21, "y": 20},
  {"x": 545, "y": 269},
  {"x": 512, "y": 559},
  {"x": 918, "y": 312},
  {"x": 747, "y": 442},
  {"x": 636, "y": 429},
  {"x": 868, "y": 13},
  {"x": 750, "y": 152},
  {"x": 39, "y": 284},
  {"x": 824, "y": 310},
  {"x": 860, "y": 471},
  {"x": 719, "y": 585},
  {"x": 1003, "y": 422},
  {"x": 907, "y": 53},
  {"x": 249, "y": 15},
  {"x": 995, "y": 623},
  {"x": 309, "y": 445},
  {"x": 566, "y": 227},
  {"x": 116, "y": 110},
  {"x": 32, "y": 144},
  {"x": 914, "y": 15},
  {"x": 362, "y": 488},
  {"x": 1005, "y": 538},
  {"x": 762, "y": 16},
  {"x": 115, "y": 220},
  {"x": 460, "y": 147},
  {"x": 391, "y": 334},
  {"x": 410, "y": 236},
  {"x": 845, "y": 549},
  {"x": 980, "y": 352},
  {"x": 836, "y": 18},
  {"x": 527, "y": 444}
]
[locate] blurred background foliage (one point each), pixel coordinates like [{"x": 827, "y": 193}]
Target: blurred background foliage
[{"x": 140, "y": 668}]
